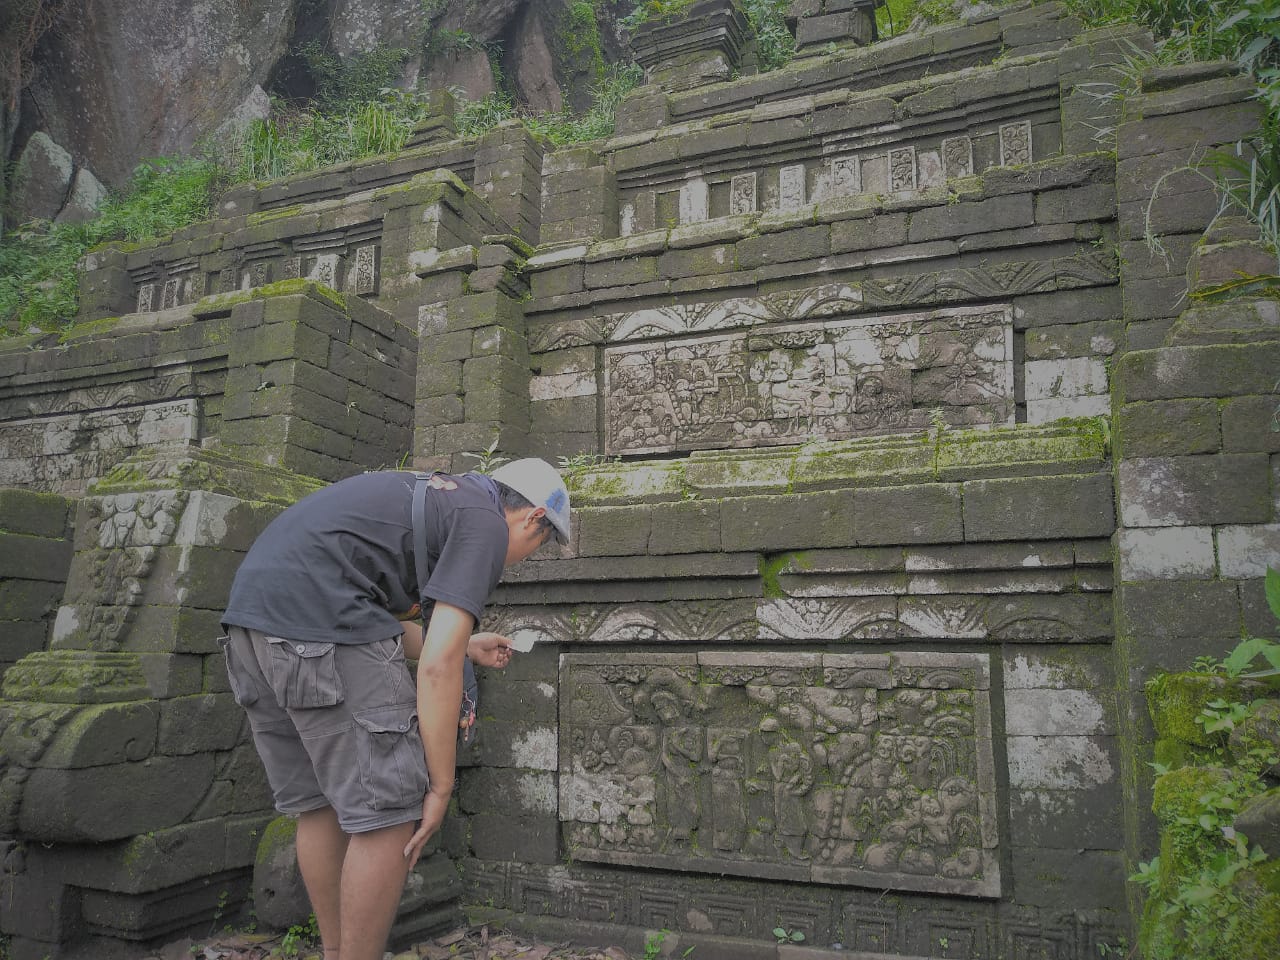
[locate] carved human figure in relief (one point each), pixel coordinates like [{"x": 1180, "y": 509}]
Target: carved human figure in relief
[{"x": 670, "y": 700}]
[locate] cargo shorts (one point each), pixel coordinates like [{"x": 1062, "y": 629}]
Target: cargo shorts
[{"x": 335, "y": 725}]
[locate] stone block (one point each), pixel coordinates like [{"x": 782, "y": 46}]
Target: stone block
[
  {"x": 1246, "y": 551},
  {"x": 851, "y": 25},
  {"x": 33, "y": 513},
  {"x": 805, "y": 243},
  {"x": 1166, "y": 213},
  {"x": 1047, "y": 712},
  {"x": 1077, "y": 204},
  {"x": 1251, "y": 424},
  {"x": 1159, "y": 613},
  {"x": 1155, "y": 299},
  {"x": 1240, "y": 321},
  {"x": 788, "y": 522},
  {"x": 949, "y": 221},
  {"x": 1061, "y": 762},
  {"x": 625, "y": 272},
  {"x": 207, "y": 722},
  {"x": 1226, "y": 370},
  {"x": 613, "y": 531},
  {"x": 1199, "y": 490},
  {"x": 522, "y": 839},
  {"x": 1192, "y": 129},
  {"x": 1067, "y": 818},
  {"x": 565, "y": 416},
  {"x": 34, "y": 558},
  {"x": 489, "y": 405},
  {"x": 1038, "y": 508},
  {"x": 128, "y": 799},
  {"x": 1068, "y": 377},
  {"x": 1087, "y": 879},
  {"x": 28, "y": 599},
  {"x": 698, "y": 262},
  {"x": 495, "y": 373},
  {"x": 1059, "y": 408},
  {"x": 1164, "y": 428},
  {"x": 871, "y": 233},
  {"x": 484, "y": 310},
  {"x": 1166, "y": 553},
  {"x": 687, "y": 526},
  {"x": 923, "y": 513}
]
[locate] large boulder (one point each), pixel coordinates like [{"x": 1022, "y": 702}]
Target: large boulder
[
  {"x": 87, "y": 194},
  {"x": 137, "y": 78},
  {"x": 41, "y": 180}
]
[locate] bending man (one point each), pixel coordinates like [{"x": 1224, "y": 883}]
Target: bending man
[{"x": 316, "y": 654}]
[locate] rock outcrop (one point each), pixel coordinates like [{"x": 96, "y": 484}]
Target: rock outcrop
[{"x": 141, "y": 79}]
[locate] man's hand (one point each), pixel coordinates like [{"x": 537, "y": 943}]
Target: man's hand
[
  {"x": 489, "y": 650},
  {"x": 434, "y": 808}
]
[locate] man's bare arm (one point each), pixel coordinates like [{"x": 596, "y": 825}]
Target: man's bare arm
[{"x": 439, "y": 701}]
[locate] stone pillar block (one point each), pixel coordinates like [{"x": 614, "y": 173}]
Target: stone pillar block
[
  {"x": 509, "y": 178},
  {"x": 579, "y": 198},
  {"x": 704, "y": 45},
  {"x": 105, "y": 287}
]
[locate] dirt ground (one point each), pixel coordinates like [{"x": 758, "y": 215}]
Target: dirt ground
[{"x": 477, "y": 943}]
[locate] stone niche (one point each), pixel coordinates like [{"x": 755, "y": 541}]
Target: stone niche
[{"x": 845, "y": 769}]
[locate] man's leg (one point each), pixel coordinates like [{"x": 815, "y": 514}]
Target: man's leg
[
  {"x": 322, "y": 848},
  {"x": 373, "y": 878}
]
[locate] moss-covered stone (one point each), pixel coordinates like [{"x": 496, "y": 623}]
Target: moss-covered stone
[
  {"x": 1175, "y": 700},
  {"x": 87, "y": 329},
  {"x": 222, "y": 303}
]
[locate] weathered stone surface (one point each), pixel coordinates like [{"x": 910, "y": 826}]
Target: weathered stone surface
[
  {"x": 112, "y": 117},
  {"x": 1166, "y": 428},
  {"x": 1166, "y": 553},
  {"x": 662, "y": 714},
  {"x": 1184, "y": 491},
  {"x": 41, "y": 180},
  {"x": 86, "y": 195},
  {"x": 1038, "y": 506}
]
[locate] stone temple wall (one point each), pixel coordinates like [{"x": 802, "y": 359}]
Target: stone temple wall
[{"x": 899, "y": 463}]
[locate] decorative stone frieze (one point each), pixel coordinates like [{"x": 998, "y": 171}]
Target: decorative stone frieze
[
  {"x": 830, "y": 380},
  {"x": 846, "y": 769}
]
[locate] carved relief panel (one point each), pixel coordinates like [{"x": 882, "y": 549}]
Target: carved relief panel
[
  {"x": 849, "y": 769},
  {"x": 795, "y": 382},
  {"x": 63, "y": 453}
]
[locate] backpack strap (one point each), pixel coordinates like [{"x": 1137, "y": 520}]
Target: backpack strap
[{"x": 418, "y": 518}]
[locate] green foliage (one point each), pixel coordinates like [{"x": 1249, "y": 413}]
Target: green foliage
[
  {"x": 477, "y": 117},
  {"x": 1249, "y": 176},
  {"x": 37, "y": 261},
  {"x": 489, "y": 459},
  {"x": 306, "y": 140},
  {"x": 898, "y": 16},
  {"x": 784, "y": 935},
  {"x": 1208, "y": 892},
  {"x": 359, "y": 79},
  {"x": 775, "y": 46},
  {"x": 651, "y": 10},
  {"x": 299, "y": 937},
  {"x": 1251, "y": 650}
]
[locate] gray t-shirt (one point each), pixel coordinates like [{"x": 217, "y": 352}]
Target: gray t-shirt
[{"x": 338, "y": 564}]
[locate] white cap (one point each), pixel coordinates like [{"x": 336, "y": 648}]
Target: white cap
[{"x": 539, "y": 483}]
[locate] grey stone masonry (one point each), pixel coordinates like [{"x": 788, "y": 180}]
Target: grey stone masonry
[
  {"x": 1182, "y": 114},
  {"x": 700, "y": 45},
  {"x": 35, "y": 558},
  {"x": 1194, "y": 427},
  {"x": 898, "y": 461}
]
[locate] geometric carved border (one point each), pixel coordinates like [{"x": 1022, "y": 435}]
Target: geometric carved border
[{"x": 868, "y": 770}]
